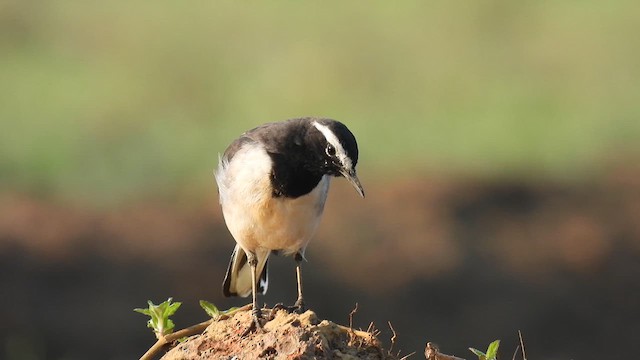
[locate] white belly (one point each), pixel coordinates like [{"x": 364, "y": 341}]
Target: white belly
[{"x": 256, "y": 219}]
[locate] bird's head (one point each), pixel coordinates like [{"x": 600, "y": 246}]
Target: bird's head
[{"x": 336, "y": 150}]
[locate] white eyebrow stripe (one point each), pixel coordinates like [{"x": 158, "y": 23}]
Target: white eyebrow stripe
[{"x": 332, "y": 139}]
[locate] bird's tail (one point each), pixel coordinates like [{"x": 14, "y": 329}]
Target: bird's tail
[{"x": 237, "y": 282}]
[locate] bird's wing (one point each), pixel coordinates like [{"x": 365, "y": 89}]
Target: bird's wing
[{"x": 276, "y": 138}]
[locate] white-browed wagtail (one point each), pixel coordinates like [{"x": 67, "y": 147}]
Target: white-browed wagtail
[{"x": 273, "y": 182}]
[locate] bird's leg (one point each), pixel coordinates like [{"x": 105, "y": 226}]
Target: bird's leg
[
  {"x": 299, "y": 304},
  {"x": 255, "y": 313}
]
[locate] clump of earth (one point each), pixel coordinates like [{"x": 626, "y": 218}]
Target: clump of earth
[{"x": 285, "y": 335}]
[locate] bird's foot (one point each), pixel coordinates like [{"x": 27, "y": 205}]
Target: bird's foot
[
  {"x": 256, "y": 324},
  {"x": 299, "y": 307}
]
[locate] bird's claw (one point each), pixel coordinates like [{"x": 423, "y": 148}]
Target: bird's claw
[
  {"x": 256, "y": 325},
  {"x": 299, "y": 307}
]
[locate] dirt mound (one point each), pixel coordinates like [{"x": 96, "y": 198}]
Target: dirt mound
[{"x": 285, "y": 336}]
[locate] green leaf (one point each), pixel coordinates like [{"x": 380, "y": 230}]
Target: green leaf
[
  {"x": 230, "y": 311},
  {"x": 210, "y": 309},
  {"x": 478, "y": 353},
  {"x": 492, "y": 350},
  {"x": 143, "y": 311},
  {"x": 159, "y": 316}
]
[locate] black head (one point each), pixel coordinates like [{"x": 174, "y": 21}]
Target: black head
[{"x": 335, "y": 149}]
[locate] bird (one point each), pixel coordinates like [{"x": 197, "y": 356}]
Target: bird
[{"x": 273, "y": 183}]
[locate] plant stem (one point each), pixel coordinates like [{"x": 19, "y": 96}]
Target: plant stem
[{"x": 191, "y": 330}]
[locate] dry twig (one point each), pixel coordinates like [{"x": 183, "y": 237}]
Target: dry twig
[
  {"x": 393, "y": 338},
  {"x": 515, "y": 353},
  {"x": 524, "y": 354},
  {"x": 431, "y": 352},
  {"x": 353, "y": 312}
]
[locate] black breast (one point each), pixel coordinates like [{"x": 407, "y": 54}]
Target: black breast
[{"x": 289, "y": 177}]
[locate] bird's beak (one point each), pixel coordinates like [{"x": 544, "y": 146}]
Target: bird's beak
[{"x": 350, "y": 174}]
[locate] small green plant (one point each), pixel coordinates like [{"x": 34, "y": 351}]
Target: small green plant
[
  {"x": 491, "y": 354},
  {"x": 159, "y": 316},
  {"x": 213, "y": 310}
]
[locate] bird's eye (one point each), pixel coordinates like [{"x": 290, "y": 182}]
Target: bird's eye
[{"x": 331, "y": 151}]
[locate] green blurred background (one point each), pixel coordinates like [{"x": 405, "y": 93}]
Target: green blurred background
[
  {"x": 112, "y": 108},
  {"x": 105, "y": 101}
]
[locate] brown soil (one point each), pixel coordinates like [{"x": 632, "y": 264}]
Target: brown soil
[
  {"x": 286, "y": 336},
  {"x": 547, "y": 252}
]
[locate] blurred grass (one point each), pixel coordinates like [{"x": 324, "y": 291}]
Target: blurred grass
[{"x": 107, "y": 101}]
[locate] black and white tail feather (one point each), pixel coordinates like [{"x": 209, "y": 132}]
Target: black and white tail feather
[{"x": 237, "y": 281}]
